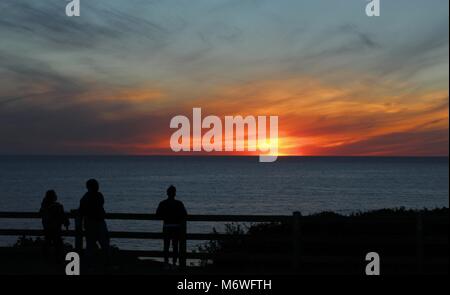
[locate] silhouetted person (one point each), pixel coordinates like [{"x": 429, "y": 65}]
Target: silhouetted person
[
  {"x": 173, "y": 213},
  {"x": 53, "y": 217},
  {"x": 93, "y": 214}
]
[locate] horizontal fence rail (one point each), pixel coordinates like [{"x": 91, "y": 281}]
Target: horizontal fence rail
[
  {"x": 296, "y": 238},
  {"x": 230, "y": 218},
  {"x": 78, "y": 233},
  {"x": 141, "y": 216}
]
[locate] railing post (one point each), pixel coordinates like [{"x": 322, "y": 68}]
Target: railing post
[
  {"x": 296, "y": 234},
  {"x": 419, "y": 242},
  {"x": 183, "y": 245},
  {"x": 78, "y": 231}
]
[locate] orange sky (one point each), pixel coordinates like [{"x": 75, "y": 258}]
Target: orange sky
[
  {"x": 110, "y": 81},
  {"x": 314, "y": 118}
]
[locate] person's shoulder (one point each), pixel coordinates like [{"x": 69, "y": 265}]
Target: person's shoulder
[
  {"x": 59, "y": 205},
  {"x": 179, "y": 202},
  {"x": 54, "y": 207}
]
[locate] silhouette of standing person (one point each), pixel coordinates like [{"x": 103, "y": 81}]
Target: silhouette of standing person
[
  {"x": 173, "y": 213},
  {"x": 53, "y": 217},
  {"x": 93, "y": 214}
]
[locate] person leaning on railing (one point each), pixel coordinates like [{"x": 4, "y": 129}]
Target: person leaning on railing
[
  {"x": 53, "y": 217},
  {"x": 93, "y": 214},
  {"x": 174, "y": 214}
]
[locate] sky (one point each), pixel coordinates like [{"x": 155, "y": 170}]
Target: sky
[{"x": 110, "y": 80}]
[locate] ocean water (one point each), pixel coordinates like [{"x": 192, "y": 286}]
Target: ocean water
[{"x": 223, "y": 185}]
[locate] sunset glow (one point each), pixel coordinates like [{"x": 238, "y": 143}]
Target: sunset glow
[{"x": 108, "y": 83}]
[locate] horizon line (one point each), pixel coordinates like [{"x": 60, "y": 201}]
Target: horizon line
[{"x": 223, "y": 155}]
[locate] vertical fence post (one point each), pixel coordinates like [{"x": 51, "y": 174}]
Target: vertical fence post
[
  {"x": 78, "y": 231},
  {"x": 183, "y": 245},
  {"x": 419, "y": 242},
  {"x": 296, "y": 232}
]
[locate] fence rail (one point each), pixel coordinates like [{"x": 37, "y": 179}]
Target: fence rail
[
  {"x": 296, "y": 238},
  {"x": 141, "y": 216},
  {"x": 79, "y": 234}
]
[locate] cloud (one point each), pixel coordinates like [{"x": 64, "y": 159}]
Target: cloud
[
  {"x": 417, "y": 54},
  {"x": 110, "y": 80},
  {"x": 414, "y": 143},
  {"x": 81, "y": 128},
  {"x": 47, "y": 22}
]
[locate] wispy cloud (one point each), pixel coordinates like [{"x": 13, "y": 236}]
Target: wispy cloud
[{"x": 110, "y": 80}]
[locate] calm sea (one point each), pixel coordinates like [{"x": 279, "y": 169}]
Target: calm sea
[{"x": 224, "y": 185}]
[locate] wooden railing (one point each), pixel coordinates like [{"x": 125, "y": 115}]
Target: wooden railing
[
  {"x": 296, "y": 238},
  {"x": 79, "y": 234}
]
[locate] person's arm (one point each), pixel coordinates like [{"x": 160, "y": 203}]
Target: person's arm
[
  {"x": 183, "y": 210},
  {"x": 101, "y": 209},
  {"x": 65, "y": 219},
  {"x": 102, "y": 199},
  {"x": 81, "y": 209},
  {"x": 159, "y": 210}
]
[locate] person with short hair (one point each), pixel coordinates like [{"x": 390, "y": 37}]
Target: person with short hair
[
  {"x": 93, "y": 214},
  {"x": 53, "y": 217},
  {"x": 173, "y": 213}
]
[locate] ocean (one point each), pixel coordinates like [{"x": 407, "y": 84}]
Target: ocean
[{"x": 223, "y": 185}]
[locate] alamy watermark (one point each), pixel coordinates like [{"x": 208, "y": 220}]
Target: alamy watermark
[
  {"x": 73, "y": 8},
  {"x": 373, "y": 8},
  {"x": 230, "y": 138},
  {"x": 373, "y": 267},
  {"x": 73, "y": 265}
]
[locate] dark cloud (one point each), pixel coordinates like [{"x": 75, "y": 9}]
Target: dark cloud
[
  {"x": 416, "y": 54},
  {"x": 81, "y": 127},
  {"x": 55, "y": 120},
  {"x": 100, "y": 22},
  {"x": 363, "y": 38},
  {"x": 414, "y": 143},
  {"x": 27, "y": 74}
]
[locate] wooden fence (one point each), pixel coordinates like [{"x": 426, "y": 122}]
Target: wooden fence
[
  {"x": 296, "y": 221},
  {"x": 79, "y": 234}
]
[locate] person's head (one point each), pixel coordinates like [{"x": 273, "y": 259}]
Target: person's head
[
  {"x": 171, "y": 192},
  {"x": 50, "y": 196},
  {"x": 92, "y": 185}
]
